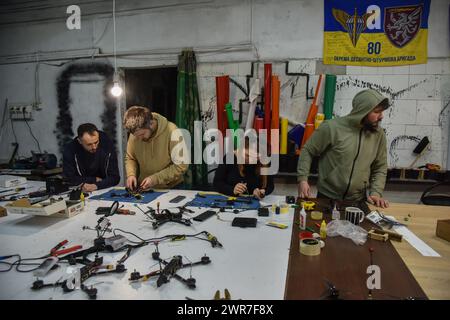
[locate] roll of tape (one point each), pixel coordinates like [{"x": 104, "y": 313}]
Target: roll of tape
[
  {"x": 284, "y": 208},
  {"x": 316, "y": 215},
  {"x": 309, "y": 247}
]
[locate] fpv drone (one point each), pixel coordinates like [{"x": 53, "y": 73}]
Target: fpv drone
[
  {"x": 159, "y": 218},
  {"x": 91, "y": 269},
  {"x": 169, "y": 269}
]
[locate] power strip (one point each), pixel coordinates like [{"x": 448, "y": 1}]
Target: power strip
[{"x": 24, "y": 112}]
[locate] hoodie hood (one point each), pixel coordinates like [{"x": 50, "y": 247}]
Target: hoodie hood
[
  {"x": 363, "y": 103},
  {"x": 162, "y": 124}
]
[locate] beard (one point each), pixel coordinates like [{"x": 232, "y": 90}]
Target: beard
[{"x": 369, "y": 126}]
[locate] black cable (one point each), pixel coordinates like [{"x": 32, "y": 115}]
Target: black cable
[
  {"x": 14, "y": 131},
  {"x": 11, "y": 264},
  {"x": 19, "y": 262},
  {"x": 170, "y": 236},
  {"x": 31, "y": 131}
]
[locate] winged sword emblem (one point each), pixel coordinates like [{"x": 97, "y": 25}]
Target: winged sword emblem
[{"x": 353, "y": 24}]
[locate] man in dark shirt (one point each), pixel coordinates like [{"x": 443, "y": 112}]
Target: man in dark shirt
[{"x": 90, "y": 159}]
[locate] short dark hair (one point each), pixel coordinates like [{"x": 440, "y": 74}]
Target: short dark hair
[{"x": 86, "y": 128}]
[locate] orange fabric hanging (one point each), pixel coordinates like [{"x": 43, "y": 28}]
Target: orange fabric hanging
[
  {"x": 309, "y": 128},
  {"x": 275, "y": 103}
]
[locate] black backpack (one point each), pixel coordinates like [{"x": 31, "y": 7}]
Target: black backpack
[{"x": 431, "y": 197}]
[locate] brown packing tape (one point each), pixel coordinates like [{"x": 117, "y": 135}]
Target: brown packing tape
[
  {"x": 24, "y": 202},
  {"x": 309, "y": 247},
  {"x": 316, "y": 215}
]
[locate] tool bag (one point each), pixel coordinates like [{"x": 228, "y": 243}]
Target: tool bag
[{"x": 431, "y": 197}]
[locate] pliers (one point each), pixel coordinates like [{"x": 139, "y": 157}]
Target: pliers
[{"x": 54, "y": 252}]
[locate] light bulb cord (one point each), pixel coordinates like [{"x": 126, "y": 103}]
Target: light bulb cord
[{"x": 114, "y": 32}]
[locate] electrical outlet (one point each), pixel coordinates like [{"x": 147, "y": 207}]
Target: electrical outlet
[{"x": 22, "y": 112}]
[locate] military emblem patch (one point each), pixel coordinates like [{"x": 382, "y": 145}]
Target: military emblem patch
[
  {"x": 354, "y": 25},
  {"x": 401, "y": 24}
]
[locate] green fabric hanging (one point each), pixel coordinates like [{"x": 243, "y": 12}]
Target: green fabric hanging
[
  {"x": 330, "y": 91},
  {"x": 188, "y": 111}
]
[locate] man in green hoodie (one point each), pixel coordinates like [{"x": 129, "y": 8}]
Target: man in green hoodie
[
  {"x": 352, "y": 154},
  {"x": 148, "y": 160}
]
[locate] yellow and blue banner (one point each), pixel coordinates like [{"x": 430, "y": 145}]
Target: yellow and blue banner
[{"x": 375, "y": 33}]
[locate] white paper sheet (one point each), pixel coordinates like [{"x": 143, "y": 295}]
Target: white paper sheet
[{"x": 415, "y": 241}]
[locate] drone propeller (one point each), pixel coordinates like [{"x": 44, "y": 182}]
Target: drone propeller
[{"x": 332, "y": 292}]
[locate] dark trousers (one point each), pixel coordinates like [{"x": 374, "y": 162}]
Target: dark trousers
[{"x": 322, "y": 196}]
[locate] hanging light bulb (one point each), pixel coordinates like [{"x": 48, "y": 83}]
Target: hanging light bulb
[{"x": 116, "y": 90}]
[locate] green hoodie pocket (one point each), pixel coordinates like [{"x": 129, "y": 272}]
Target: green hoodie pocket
[
  {"x": 357, "y": 187},
  {"x": 337, "y": 179}
]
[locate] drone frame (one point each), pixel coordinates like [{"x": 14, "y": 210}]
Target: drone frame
[
  {"x": 166, "y": 216},
  {"x": 170, "y": 270}
]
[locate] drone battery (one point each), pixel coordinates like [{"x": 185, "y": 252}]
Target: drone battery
[
  {"x": 263, "y": 212},
  {"x": 177, "y": 199},
  {"x": 45, "y": 267},
  {"x": 244, "y": 222},
  {"x": 205, "y": 215},
  {"x": 116, "y": 242},
  {"x": 102, "y": 210}
]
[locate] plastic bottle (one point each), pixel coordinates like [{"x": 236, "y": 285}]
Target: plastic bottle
[
  {"x": 303, "y": 218},
  {"x": 323, "y": 229},
  {"x": 335, "y": 215},
  {"x": 82, "y": 198}
]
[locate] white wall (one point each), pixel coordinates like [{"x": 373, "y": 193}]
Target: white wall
[{"x": 226, "y": 36}]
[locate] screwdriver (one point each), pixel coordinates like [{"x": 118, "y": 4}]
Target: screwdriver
[{"x": 15, "y": 190}]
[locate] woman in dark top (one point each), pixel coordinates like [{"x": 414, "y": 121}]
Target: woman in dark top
[{"x": 243, "y": 179}]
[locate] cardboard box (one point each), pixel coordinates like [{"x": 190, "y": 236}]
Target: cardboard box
[
  {"x": 51, "y": 207},
  {"x": 8, "y": 181},
  {"x": 443, "y": 229},
  {"x": 73, "y": 208},
  {"x": 3, "y": 212}
]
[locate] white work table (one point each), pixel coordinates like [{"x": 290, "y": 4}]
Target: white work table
[{"x": 251, "y": 265}]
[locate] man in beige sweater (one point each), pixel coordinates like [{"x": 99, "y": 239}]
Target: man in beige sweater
[{"x": 148, "y": 161}]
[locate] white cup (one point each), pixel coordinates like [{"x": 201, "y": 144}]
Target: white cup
[{"x": 354, "y": 215}]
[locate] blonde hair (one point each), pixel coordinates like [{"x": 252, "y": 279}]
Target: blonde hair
[{"x": 137, "y": 118}]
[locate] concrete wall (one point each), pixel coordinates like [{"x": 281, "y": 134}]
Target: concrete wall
[{"x": 226, "y": 35}]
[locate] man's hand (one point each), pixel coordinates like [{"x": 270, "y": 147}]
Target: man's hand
[
  {"x": 259, "y": 193},
  {"x": 304, "y": 191},
  {"x": 87, "y": 187},
  {"x": 131, "y": 182},
  {"x": 147, "y": 183},
  {"x": 378, "y": 201},
  {"x": 239, "y": 188}
]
